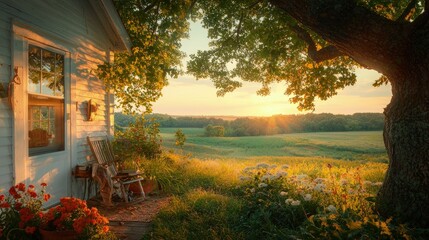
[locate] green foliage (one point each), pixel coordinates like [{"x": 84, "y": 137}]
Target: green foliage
[
  {"x": 253, "y": 42},
  {"x": 214, "y": 131},
  {"x": 139, "y": 139},
  {"x": 155, "y": 29},
  {"x": 180, "y": 138}
]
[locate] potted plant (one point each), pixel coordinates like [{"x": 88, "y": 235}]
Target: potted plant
[
  {"x": 21, "y": 211},
  {"x": 72, "y": 219}
]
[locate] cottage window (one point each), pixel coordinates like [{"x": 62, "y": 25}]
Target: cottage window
[{"x": 45, "y": 101}]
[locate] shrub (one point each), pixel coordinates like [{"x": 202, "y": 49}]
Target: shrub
[{"x": 140, "y": 138}]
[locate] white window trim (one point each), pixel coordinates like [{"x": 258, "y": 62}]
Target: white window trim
[{"x": 22, "y": 36}]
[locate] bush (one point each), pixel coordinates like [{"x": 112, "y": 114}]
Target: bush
[{"x": 139, "y": 139}]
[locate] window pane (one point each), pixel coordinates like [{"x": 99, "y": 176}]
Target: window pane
[
  {"x": 34, "y": 57},
  {"x": 59, "y": 64},
  {"x": 48, "y": 83},
  {"x": 48, "y": 61},
  {"x": 46, "y": 128},
  {"x": 59, "y": 86},
  {"x": 34, "y": 81},
  {"x": 46, "y": 72}
]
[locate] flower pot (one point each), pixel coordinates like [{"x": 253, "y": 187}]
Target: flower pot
[{"x": 54, "y": 235}]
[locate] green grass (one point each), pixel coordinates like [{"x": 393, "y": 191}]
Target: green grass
[
  {"x": 210, "y": 200},
  {"x": 338, "y": 145}
]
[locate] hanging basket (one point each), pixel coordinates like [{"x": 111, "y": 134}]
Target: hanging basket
[{"x": 55, "y": 235}]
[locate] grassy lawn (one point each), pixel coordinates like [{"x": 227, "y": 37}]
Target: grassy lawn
[
  {"x": 338, "y": 145},
  {"x": 292, "y": 186}
]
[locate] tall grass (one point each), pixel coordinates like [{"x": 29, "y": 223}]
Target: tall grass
[
  {"x": 218, "y": 193},
  {"x": 212, "y": 199}
]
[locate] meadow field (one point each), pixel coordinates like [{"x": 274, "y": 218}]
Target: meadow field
[
  {"x": 291, "y": 186},
  {"x": 338, "y": 145}
]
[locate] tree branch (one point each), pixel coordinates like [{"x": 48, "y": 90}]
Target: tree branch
[
  {"x": 239, "y": 27},
  {"x": 253, "y": 4},
  {"x": 408, "y": 12},
  {"x": 326, "y": 53},
  {"x": 191, "y": 7},
  {"x": 422, "y": 19}
]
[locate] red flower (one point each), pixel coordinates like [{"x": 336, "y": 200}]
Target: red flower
[
  {"x": 46, "y": 197},
  {"x": 43, "y": 184},
  {"x": 30, "y": 230},
  {"x": 18, "y": 206},
  {"x": 17, "y": 196},
  {"x": 12, "y": 191},
  {"x": 31, "y": 186},
  {"x": 4, "y": 205},
  {"x": 33, "y": 194},
  {"x": 21, "y": 187},
  {"x": 2, "y": 197}
]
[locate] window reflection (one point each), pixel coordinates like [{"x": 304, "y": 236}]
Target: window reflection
[
  {"x": 46, "y": 72},
  {"x": 45, "y": 101}
]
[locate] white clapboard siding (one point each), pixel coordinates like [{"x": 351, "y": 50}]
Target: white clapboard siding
[{"x": 76, "y": 25}]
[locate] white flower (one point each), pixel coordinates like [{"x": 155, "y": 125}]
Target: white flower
[
  {"x": 244, "y": 178},
  {"x": 281, "y": 174},
  {"x": 289, "y": 201},
  {"x": 301, "y": 176},
  {"x": 262, "y": 165},
  {"x": 252, "y": 190},
  {"x": 273, "y": 166},
  {"x": 295, "y": 203},
  {"x": 285, "y": 166},
  {"x": 319, "y": 187},
  {"x": 283, "y": 193},
  {"x": 331, "y": 209},
  {"x": 249, "y": 169},
  {"x": 262, "y": 185},
  {"x": 265, "y": 177},
  {"x": 307, "y": 197}
]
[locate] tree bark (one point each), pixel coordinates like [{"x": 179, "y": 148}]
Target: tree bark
[{"x": 405, "y": 191}]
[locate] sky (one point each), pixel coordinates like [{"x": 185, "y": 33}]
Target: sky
[{"x": 187, "y": 96}]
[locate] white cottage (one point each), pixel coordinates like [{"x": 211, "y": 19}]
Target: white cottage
[{"x": 49, "y": 49}]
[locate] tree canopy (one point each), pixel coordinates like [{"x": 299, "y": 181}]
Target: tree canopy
[
  {"x": 251, "y": 41},
  {"x": 155, "y": 29}
]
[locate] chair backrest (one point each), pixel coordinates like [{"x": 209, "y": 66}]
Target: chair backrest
[{"x": 103, "y": 152}]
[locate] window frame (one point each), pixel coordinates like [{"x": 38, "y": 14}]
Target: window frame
[{"x": 48, "y": 101}]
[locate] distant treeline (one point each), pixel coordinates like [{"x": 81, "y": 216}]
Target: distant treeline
[{"x": 278, "y": 124}]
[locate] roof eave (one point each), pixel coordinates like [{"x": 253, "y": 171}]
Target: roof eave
[{"x": 112, "y": 22}]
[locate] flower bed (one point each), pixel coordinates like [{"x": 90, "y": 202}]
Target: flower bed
[{"x": 21, "y": 216}]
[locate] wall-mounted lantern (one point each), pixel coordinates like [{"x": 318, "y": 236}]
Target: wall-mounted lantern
[{"x": 91, "y": 111}]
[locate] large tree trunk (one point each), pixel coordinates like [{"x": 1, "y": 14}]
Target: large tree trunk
[
  {"x": 400, "y": 51},
  {"x": 405, "y": 191}
]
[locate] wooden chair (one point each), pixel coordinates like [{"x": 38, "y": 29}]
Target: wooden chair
[{"x": 103, "y": 153}]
